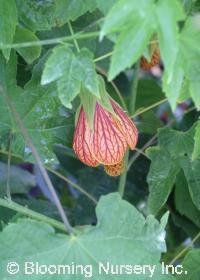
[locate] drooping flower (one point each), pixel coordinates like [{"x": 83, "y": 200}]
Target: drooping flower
[
  {"x": 107, "y": 142},
  {"x": 155, "y": 60}
]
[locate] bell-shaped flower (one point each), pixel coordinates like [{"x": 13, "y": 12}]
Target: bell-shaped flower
[{"x": 108, "y": 140}]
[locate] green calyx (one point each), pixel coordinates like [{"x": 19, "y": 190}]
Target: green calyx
[{"x": 88, "y": 102}]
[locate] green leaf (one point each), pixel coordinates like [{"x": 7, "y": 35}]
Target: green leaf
[
  {"x": 196, "y": 151},
  {"x": 134, "y": 40},
  {"x": 172, "y": 154},
  {"x": 183, "y": 201},
  {"x": 174, "y": 87},
  {"x": 42, "y": 115},
  {"x": 72, "y": 9},
  {"x": 104, "y": 7},
  {"x": 168, "y": 14},
  {"x": 192, "y": 174},
  {"x": 195, "y": 93},
  {"x": 135, "y": 21},
  {"x": 20, "y": 180},
  {"x": 37, "y": 15},
  {"x": 8, "y": 22},
  {"x": 46, "y": 14},
  {"x": 148, "y": 123},
  {"x": 123, "y": 13},
  {"x": 5, "y": 216},
  {"x": 85, "y": 71},
  {"x": 185, "y": 91},
  {"x": 191, "y": 264},
  {"x": 190, "y": 51},
  {"x": 177, "y": 143},
  {"x": 161, "y": 177},
  {"x": 71, "y": 72},
  {"x": 189, "y": 44},
  {"x": 79, "y": 73},
  {"x": 136, "y": 24},
  {"x": 56, "y": 64},
  {"x": 29, "y": 54},
  {"x": 121, "y": 229},
  {"x": 8, "y": 71}
]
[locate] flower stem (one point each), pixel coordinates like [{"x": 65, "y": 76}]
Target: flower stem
[{"x": 122, "y": 179}]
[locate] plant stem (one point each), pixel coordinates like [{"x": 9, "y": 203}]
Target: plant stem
[
  {"x": 138, "y": 153},
  {"x": 141, "y": 152},
  {"x": 8, "y": 168},
  {"x": 182, "y": 252},
  {"x": 103, "y": 56},
  {"x": 44, "y": 173},
  {"x": 64, "y": 178},
  {"x": 77, "y": 36},
  {"x": 149, "y": 108},
  {"x": 30, "y": 213},
  {"x": 72, "y": 33}
]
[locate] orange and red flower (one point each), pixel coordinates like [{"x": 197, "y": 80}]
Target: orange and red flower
[{"x": 107, "y": 142}]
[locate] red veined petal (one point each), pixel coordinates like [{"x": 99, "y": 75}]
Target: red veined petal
[
  {"x": 128, "y": 128},
  {"x": 109, "y": 143},
  {"x": 83, "y": 141}
]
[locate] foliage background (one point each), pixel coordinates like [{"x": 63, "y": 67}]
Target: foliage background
[{"x": 50, "y": 51}]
